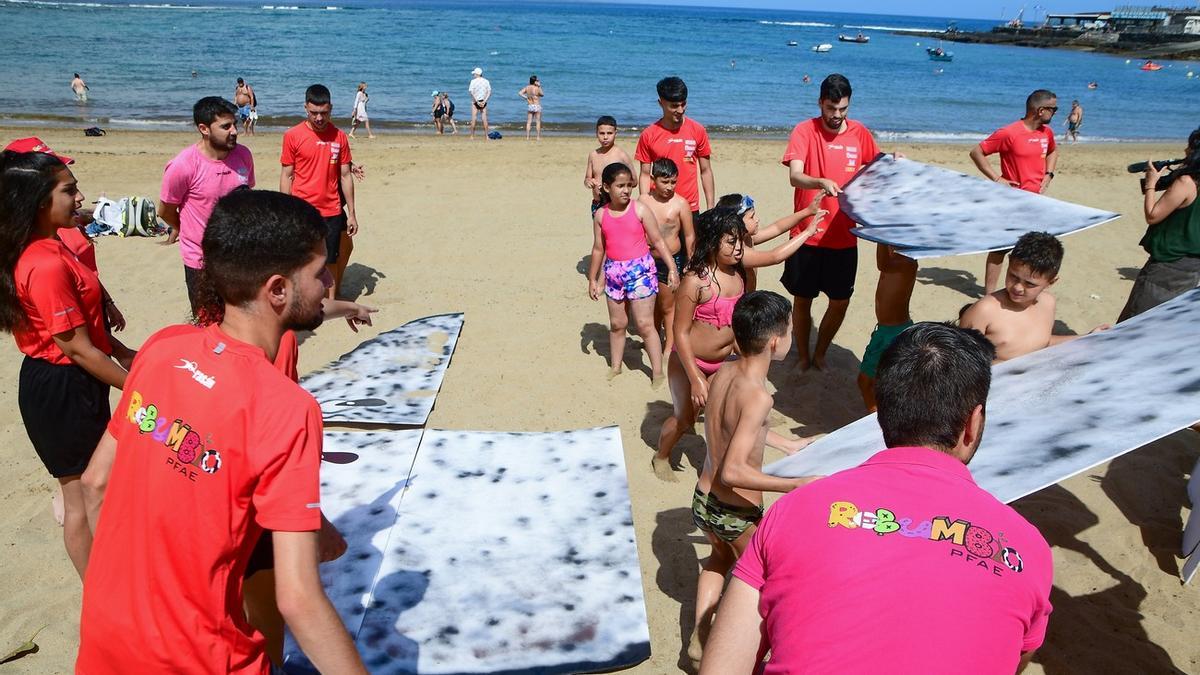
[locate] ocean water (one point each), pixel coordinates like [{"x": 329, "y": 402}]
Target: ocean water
[{"x": 593, "y": 59}]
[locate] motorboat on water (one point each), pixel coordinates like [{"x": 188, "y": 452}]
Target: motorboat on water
[
  {"x": 822, "y": 48},
  {"x": 857, "y": 39},
  {"x": 792, "y": 43},
  {"x": 1151, "y": 66},
  {"x": 939, "y": 54}
]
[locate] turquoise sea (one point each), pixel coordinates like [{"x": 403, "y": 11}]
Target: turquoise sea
[{"x": 593, "y": 59}]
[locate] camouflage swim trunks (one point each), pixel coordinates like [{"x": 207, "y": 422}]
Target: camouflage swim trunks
[{"x": 726, "y": 522}]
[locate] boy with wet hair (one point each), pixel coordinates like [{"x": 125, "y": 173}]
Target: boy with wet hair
[
  {"x": 728, "y": 499},
  {"x": 674, "y": 216},
  {"x": 604, "y": 154},
  {"x": 1019, "y": 317}
]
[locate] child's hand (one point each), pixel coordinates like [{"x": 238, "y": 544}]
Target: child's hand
[
  {"x": 831, "y": 188},
  {"x": 795, "y": 445},
  {"x": 814, "y": 225},
  {"x": 699, "y": 392},
  {"x": 360, "y": 317},
  {"x": 673, "y": 278},
  {"x": 813, "y": 207},
  {"x": 593, "y": 289}
]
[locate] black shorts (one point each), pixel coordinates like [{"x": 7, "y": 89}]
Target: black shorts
[
  {"x": 335, "y": 226},
  {"x": 189, "y": 280},
  {"x": 814, "y": 270},
  {"x": 262, "y": 557},
  {"x": 65, "y": 411},
  {"x": 662, "y": 271}
]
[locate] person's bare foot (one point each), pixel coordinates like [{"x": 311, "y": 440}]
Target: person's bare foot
[
  {"x": 612, "y": 373},
  {"x": 803, "y": 363},
  {"x": 56, "y": 505},
  {"x": 370, "y": 137},
  {"x": 695, "y": 650},
  {"x": 818, "y": 361},
  {"x": 662, "y": 469}
]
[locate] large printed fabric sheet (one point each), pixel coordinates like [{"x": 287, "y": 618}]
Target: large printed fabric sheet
[
  {"x": 511, "y": 552},
  {"x": 927, "y": 211},
  {"x": 392, "y": 378},
  {"x": 1062, "y": 410}
]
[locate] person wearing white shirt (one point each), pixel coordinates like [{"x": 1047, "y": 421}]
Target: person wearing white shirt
[{"x": 480, "y": 90}]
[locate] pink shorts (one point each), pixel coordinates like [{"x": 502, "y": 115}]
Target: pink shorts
[{"x": 630, "y": 279}]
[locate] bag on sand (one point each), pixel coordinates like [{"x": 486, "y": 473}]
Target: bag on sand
[
  {"x": 94, "y": 131},
  {"x": 128, "y": 216}
]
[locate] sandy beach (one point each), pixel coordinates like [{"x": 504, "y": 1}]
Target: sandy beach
[{"x": 500, "y": 231}]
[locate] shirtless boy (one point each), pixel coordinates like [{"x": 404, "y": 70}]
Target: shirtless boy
[
  {"x": 674, "y": 216},
  {"x": 1019, "y": 317},
  {"x": 606, "y": 153},
  {"x": 80, "y": 88},
  {"x": 897, "y": 275},
  {"x": 728, "y": 500}
]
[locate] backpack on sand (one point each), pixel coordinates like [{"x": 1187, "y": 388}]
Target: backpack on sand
[{"x": 128, "y": 216}]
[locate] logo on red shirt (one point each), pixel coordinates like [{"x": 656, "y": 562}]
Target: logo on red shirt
[
  {"x": 188, "y": 451},
  {"x": 198, "y": 375}
]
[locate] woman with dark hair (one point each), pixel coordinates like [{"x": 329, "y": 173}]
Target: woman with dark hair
[
  {"x": 1173, "y": 238},
  {"x": 532, "y": 93},
  {"x": 54, "y": 307}
]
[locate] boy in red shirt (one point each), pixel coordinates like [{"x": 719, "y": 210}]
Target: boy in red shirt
[
  {"x": 681, "y": 140},
  {"x": 216, "y": 445},
  {"x": 822, "y": 155},
  {"x": 1028, "y": 156},
  {"x": 316, "y": 161}
]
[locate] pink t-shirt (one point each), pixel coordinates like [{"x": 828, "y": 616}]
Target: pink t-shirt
[
  {"x": 195, "y": 183},
  {"x": 901, "y": 564},
  {"x": 1022, "y": 153}
]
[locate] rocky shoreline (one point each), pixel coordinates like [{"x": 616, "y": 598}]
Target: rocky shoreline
[{"x": 1139, "y": 46}]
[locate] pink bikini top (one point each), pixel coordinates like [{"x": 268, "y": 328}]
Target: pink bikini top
[
  {"x": 717, "y": 311},
  {"x": 624, "y": 235}
]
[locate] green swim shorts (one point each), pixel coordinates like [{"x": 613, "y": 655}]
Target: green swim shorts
[
  {"x": 727, "y": 522},
  {"x": 881, "y": 338}
]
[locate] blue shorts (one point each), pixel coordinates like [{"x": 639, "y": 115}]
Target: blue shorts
[{"x": 243, "y": 113}]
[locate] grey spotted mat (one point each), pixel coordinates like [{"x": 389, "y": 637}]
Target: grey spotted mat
[
  {"x": 483, "y": 552},
  {"x": 926, "y": 211},
  {"x": 390, "y": 379},
  {"x": 1062, "y": 410}
]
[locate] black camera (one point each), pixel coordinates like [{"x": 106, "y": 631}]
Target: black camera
[{"x": 1164, "y": 181}]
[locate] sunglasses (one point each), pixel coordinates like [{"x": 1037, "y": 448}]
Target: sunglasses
[
  {"x": 1052, "y": 109},
  {"x": 746, "y": 205}
]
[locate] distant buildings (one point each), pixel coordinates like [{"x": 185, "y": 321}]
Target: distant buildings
[{"x": 1163, "y": 21}]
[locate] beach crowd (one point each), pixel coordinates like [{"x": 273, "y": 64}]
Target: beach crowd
[{"x": 212, "y": 454}]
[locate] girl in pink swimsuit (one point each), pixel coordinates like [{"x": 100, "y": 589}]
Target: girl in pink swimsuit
[
  {"x": 624, "y": 233},
  {"x": 715, "y": 277}
]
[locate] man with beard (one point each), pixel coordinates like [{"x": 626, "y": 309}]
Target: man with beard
[
  {"x": 316, "y": 161},
  {"x": 200, "y": 175},
  {"x": 1028, "y": 155},
  {"x": 822, "y": 155},
  {"x": 212, "y": 444}
]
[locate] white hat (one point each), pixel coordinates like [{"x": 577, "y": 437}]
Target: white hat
[
  {"x": 435, "y": 92},
  {"x": 477, "y": 71}
]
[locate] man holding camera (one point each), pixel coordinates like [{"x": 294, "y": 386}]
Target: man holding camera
[
  {"x": 1173, "y": 238},
  {"x": 1028, "y": 156}
]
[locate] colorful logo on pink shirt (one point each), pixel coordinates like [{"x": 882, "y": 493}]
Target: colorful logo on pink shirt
[{"x": 972, "y": 543}]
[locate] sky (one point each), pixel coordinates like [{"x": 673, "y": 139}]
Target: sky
[{"x": 972, "y": 9}]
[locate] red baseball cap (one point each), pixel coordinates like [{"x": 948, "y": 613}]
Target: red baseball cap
[{"x": 35, "y": 144}]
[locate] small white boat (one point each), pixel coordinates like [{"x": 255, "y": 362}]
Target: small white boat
[
  {"x": 822, "y": 48},
  {"x": 792, "y": 43}
]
